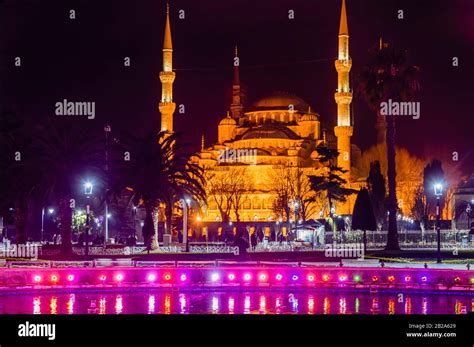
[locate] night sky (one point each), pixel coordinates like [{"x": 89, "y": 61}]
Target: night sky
[{"x": 82, "y": 60}]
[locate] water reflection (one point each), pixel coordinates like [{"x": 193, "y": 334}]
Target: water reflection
[
  {"x": 263, "y": 304},
  {"x": 231, "y": 305},
  {"x": 102, "y": 305},
  {"x": 310, "y": 304},
  {"x": 37, "y": 305},
  {"x": 235, "y": 302},
  {"x": 70, "y": 304},
  {"x": 151, "y": 304},
  {"x": 167, "y": 303},
  {"x": 54, "y": 305},
  {"x": 391, "y": 306},
  {"x": 327, "y": 305},
  {"x": 408, "y": 305},
  {"x": 215, "y": 304},
  {"x": 118, "y": 304},
  {"x": 182, "y": 303},
  {"x": 278, "y": 304},
  {"x": 424, "y": 305},
  {"x": 247, "y": 304}
]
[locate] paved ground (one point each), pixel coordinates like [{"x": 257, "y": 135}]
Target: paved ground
[{"x": 310, "y": 256}]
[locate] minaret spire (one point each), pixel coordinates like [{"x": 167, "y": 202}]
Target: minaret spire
[
  {"x": 236, "y": 107},
  {"x": 343, "y": 96},
  {"x": 167, "y": 76},
  {"x": 343, "y": 30}
]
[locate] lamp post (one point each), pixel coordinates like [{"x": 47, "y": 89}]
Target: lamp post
[
  {"x": 107, "y": 130},
  {"x": 438, "y": 191},
  {"x": 88, "y": 186},
  {"x": 50, "y": 211},
  {"x": 134, "y": 213},
  {"x": 42, "y": 225},
  {"x": 296, "y": 205},
  {"x": 185, "y": 203}
]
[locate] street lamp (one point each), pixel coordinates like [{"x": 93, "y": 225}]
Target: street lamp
[
  {"x": 88, "y": 187},
  {"x": 107, "y": 130},
  {"x": 438, "y": 192},
  {"x": 296, "y": 205},
  {"x": 185, "y": 203},
  {"x": 50, "y": 211}
]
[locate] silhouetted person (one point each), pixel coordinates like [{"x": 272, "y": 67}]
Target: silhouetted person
[
  {"x": 253, "y": 240},
  {"x": 242, "y": 244},
  {"x": 80, "y": 239},
  {"x": 471, "y": 233},
  {"x": 260, "y": 235}
]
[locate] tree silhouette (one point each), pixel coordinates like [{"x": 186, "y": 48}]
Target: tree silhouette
[
  {"x": 331, "y": 180},
  {"x": 376, "y": 184},
  {"x": 363, "y": 217},
  {"x": 388, "y": 75}
]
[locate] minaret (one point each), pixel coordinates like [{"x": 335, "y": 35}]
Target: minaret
[
  {"x": 343, "y": 96},
  {"x": 236, "y": 106},
  {"x": 167, "y": 76}
]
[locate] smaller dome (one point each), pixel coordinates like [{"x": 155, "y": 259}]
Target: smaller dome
[
  {"x": 308, "y": 117},
  {"x": 228, "y": 121}
]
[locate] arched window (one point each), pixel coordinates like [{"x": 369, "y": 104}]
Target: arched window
[{"x": 256, "y": 203}]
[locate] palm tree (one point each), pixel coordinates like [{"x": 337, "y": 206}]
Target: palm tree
[
  {"x": 17, "y": 179},
  {"x": 67, "y": 156},
  {"x": 388, "y": 75},
  {"x": 159, "y": 171}
]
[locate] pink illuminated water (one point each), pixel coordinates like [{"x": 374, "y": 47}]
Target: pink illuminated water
[{"x": 265, "y": 302}]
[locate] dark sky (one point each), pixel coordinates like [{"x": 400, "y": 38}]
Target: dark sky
[{"x": 82, "y": 60}]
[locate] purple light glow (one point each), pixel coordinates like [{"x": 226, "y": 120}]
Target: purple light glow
[
  {"x": 119, "y": 277},
  {"x": 70, "y": 278},
  {"x": 311, "y": 278},
  {"x": 231, "y": 277},
  {"x": 342, "y": 278},
  {"x": 247, "y": 277},
  {"x": 151, "y": 278},
  {"x": 183, "y": 278},
  {"x": 37, "y": 278},
  {"x": 279, "y": 277}
]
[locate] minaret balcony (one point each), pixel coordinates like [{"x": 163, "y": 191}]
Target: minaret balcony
[
  {"x": 167, "y": 76},
  {"x": 343, "y": 65},
  {"x": 343, "y": 97},
  {"x": 167, "y": 107},
  {"x": 343, "y": 131}
]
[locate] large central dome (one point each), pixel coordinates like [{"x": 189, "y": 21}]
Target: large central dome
[{"x": 281, "y": 101}]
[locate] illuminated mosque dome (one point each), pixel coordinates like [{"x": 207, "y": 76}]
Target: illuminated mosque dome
[
  {"x": 228, "y": 121},
  {"x": 281, "y": 101}
]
